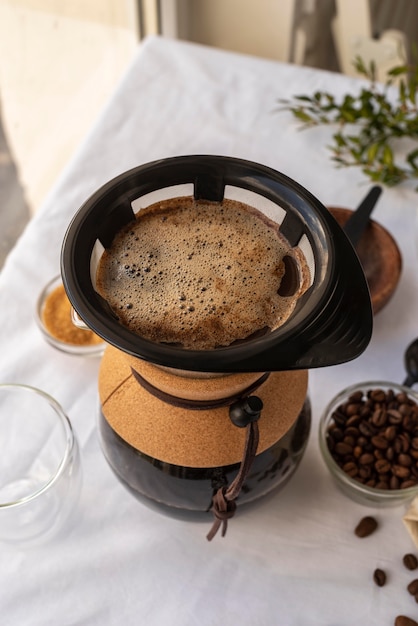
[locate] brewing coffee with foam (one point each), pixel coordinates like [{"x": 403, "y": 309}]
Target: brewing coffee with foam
[{"x": 200, "y": 274}]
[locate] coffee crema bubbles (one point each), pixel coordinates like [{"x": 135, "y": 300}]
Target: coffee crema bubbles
[{"x": 200, "y": 274}]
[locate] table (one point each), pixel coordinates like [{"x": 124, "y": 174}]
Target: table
[{"x": 292, "y": 560}]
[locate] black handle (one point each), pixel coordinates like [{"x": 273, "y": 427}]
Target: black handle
[{"x": 358, "y": 221}]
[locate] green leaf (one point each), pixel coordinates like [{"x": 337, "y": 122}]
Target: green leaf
[
  {"x": 372, "y": 70},
  {"x": 372, "y": 152},
  {"x": 398, "y": 70},
  {"x": 411, "y": 158},
  {"x": 339, "y": 139},
  {"x": 348, "y": 116},
  {"x": 302, "y": 116},
  {"x": 387, "y": 155},
  {"x": 372, "y": 174},
  {"x": 360, "y": 66},
  {"x": 304, "y": 98}
]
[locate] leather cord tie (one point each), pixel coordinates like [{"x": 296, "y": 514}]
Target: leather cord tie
[
  {"x": 197, "y": 405},
  {"x": 244, "y": 414}
]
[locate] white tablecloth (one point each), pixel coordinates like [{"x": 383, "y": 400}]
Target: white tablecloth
[{"x": 293, "y": 560}]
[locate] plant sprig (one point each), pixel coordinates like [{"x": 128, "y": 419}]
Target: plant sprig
[{"x": 369, "y": 124}]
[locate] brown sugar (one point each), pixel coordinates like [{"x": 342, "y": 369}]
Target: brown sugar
[{"x": 56, "y": 316}]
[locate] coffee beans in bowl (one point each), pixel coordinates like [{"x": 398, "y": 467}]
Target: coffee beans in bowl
[{"x": 368, "y": 438}]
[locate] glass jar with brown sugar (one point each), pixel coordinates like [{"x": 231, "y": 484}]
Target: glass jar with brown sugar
[{"x": 54, "y": 317}]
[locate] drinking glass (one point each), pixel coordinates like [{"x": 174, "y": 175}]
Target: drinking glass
[{"x": 40, "y": 471}]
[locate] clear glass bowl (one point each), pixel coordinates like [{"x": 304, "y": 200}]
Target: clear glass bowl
[
  {"x": 79, "y": 349},
  {"x": 357, "y": 491},
  {"x": 40, "y": 468}
]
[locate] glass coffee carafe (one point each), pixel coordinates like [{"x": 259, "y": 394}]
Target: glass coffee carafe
[{"x": 190, "y": 432}]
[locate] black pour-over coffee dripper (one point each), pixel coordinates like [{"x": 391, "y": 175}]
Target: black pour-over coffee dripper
[{"x": 332, "y": 321}]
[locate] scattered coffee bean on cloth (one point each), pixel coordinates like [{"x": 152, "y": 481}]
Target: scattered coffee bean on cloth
[
  {"x": 413, "y": 587},
  {"x": 410, "y": 561},
  {"x": 366, "y": 526},
  {"x": 379, "y": 577},
  {"x": 402, "y": 620}
]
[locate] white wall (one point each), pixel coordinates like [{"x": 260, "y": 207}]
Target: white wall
[
  {"x": 258, "y": 27},
  {"x": 59, "y": 62}
]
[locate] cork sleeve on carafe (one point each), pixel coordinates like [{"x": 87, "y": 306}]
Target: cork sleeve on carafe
[{"x": 186, "y": 437}]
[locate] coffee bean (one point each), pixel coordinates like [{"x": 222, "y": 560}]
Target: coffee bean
[
  {"x": 365, "y": 471},
  {"x": 357, "y": 452},
  {"x": 337, "y": 434},
  {"x": 390, "y": 454},
  {"x": 404, "y": 459},
  {"x": 408, "y": 423},
  {"x": 365, "y": 411},
  {"x": 366, "y": 459},
  {"x": 394, "y": 482},
  {"x": 394, "y": 417},
  {"x": 356, "y": 397},
  {"x": 366, "y": 526},
  {"x": 402, "y": 620},
  {"x": 351, "y": 409},
  {"x": 367, "y": 429},
  {"x": 390, "y": 433},
  {"x": 339, "y": 418},
  {"x": 382, "y": 466},
  {"x": 380, "y": 442},
  {"x": 405, "y": 409},
  {"x": 349, "y": 440},
  {"x": 400, "y": 471},
  {"x": 350, "y": 468},
  {"x": 410, "y": 561},
  {"x": 353, "y": 420},
  {"x": 405, "y": 441},
  {"x": 377, "y": 395},
  {"x": 379, "y": 577},
  {"x": 352, "y": 431},
  {"x": 405, "y": 484},
  {"x": 413, "y": 587},
  {"x": 379, "y": 417},
  {"x": 343, "y": 448}
]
